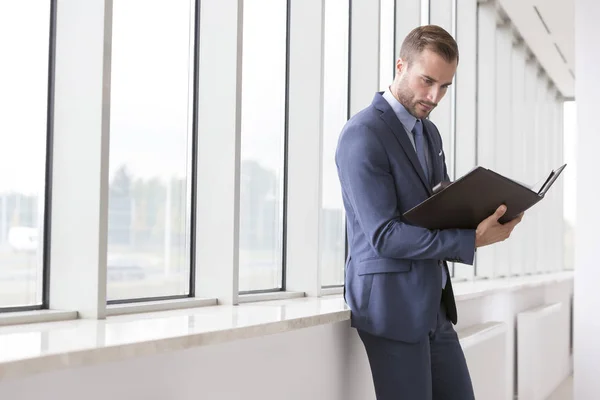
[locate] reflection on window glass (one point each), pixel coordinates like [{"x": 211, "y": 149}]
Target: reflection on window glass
[
  {"x": 24, "y": 44},
  {"x": 150, "y": 143},
  {"x": 387, "y": 62},
  {"x": 262, "y": 146},
  {"x": 333, "y": 235}
]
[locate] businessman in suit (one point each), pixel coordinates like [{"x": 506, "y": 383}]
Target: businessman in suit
[{"x": 389, "y": 157}]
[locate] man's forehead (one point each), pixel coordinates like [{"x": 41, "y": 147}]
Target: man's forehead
[{"x": 434, "y": 65}]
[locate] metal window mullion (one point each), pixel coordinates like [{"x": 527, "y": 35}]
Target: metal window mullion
[
  {"x": 304, "y": 147},
  {"x": 218, "y": 150},
  {"x": 81, "y": 130}
]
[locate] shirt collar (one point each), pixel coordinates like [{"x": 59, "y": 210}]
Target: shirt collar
[{"x": 406, "y": 118}]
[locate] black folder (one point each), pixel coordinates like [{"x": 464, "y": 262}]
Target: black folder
[{"x": 469, "y": 200}]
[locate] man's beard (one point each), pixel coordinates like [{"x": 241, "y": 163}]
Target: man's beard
[{"x": 407, "y": 99}]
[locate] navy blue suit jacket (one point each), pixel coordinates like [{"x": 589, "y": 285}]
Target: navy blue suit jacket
[{"x": 393, "y": 282}]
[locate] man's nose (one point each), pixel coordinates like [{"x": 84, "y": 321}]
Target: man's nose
[{"x": 435, "y": 94}]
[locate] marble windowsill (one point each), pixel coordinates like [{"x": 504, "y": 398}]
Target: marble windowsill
[
  {"x": 474, "y": 289},
  {"x": 42, "y": 347}
]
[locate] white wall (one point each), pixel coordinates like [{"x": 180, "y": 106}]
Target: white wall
[
  {"x": 505, "y": 306},
  {"x": 587, "y": 272},
  {"x": 320, "y": 363}
]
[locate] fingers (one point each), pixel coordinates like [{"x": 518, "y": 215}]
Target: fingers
[{"x": 499, "y": 212}]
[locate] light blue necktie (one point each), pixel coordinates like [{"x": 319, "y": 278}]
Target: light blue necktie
[{"x": 420, "y": 149}]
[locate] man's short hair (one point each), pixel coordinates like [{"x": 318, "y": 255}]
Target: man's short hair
[{"x": 430, "y": 37}]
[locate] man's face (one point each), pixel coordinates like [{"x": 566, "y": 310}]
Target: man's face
[{"x": 421, "y": 85}]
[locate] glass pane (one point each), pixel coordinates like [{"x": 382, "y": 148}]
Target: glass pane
[
  {"x": 335, "y": 107},
  {"x": 150, "y": 149},
  {"x": 24, "y": 44},
  {"x": 262, "y": 146},
  {"x": 387, "y": 62}
]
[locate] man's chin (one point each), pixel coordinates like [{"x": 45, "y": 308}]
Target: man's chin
[
  {"x": 424, "y": 109},
  {"x": 420, "y": 114}
]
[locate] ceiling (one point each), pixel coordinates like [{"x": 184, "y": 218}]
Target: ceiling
[{"x": 548, "y": 29}]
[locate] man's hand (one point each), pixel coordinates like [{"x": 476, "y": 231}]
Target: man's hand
[{"x": 491, "y": 231}]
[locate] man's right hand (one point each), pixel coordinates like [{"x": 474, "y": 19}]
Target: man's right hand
[{"x": 490, "y": 231}]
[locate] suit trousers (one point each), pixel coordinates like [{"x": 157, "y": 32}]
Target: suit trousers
[{"x": 433, "y": 369}]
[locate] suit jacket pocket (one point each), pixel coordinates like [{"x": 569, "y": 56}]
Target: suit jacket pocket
[{"x": 383, "y": 265}]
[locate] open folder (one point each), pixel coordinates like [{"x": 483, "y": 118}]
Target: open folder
[{"x": 469, "y": 200}]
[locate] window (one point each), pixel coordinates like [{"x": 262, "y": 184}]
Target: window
[
  {"x": 332, "y": 249},
  {"x": 24, "y": 44},
  {"x": 264, "y": 84},
  {"x": 387, "y": 33},
  {"x": 151, "y": 149}
]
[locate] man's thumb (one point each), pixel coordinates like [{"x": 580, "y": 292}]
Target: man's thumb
[{"x": 500, "y": 212}]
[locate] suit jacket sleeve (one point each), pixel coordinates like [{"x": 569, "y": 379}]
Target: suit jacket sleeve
[{"x": 365, "y": 176}]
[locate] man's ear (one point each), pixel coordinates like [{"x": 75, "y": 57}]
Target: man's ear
[{"x": 401, "y": 66}]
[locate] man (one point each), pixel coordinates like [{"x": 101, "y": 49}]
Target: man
[{"x": 389, "y": 157}]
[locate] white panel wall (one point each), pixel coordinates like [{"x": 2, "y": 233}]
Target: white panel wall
[
  {"x": 504, "y": 307},
  {"x": 587, "y": 272},
  {"x": 320, "y": 363},
  {"x": 542, "y": 332},
  {"x": 485, "y": 350}
]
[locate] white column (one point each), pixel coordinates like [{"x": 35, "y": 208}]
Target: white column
[
  {"x": 305, "y": 132},
  {"x": 560, "y": 185},
  {"x": 486, "y": 113},
  {"x": 587, "y": 272},
  {"x": 219, "y": 130},
  {"x": 528, "y": 225},
  {"x": 466, "y": 102},
  {"x": 408, "y": 17},
  {"x": 387, "y": 40},
  {"x": 518, "y": 152},
  {"x": 546, "y": 143},
  {"x": 80, "y": 157},
  {"x": 335, "y": 114},
  {"x": 555, "y": 214},
  {"x": 441, "y": 14},
  {"x": 364, "y": 53},
  {"x": 503, "y": 141},
  {"x": 466, "y": 88},
  {"x": 538, "y": 163}
]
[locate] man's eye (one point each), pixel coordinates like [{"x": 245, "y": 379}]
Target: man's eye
[{"x": 427, "y": 81}]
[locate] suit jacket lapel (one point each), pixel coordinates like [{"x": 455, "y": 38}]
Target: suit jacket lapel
[{"x": 390, "y": 118}]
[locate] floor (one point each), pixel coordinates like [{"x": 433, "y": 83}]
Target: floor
[{"x": 564, "y": 391}]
